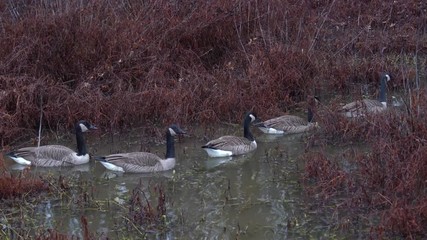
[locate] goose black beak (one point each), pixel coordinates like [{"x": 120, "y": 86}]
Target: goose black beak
[
  {"x": 256, "y": 122},
  {"x": 183, "y": 133}
]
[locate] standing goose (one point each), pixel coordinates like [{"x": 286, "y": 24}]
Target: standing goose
[
  {"x": 55, "y": 155},
  {"x": 233, "y": 145},
  {"x": 288, "y": 124},
  {"x": 362, "y": 107},
  {"x": 144, "y": 162}
]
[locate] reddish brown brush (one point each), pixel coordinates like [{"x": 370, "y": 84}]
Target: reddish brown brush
[
  {"x": 131, "y": 63},
  {"x": 390, "y": 178},
  {"x": 124, "y": 63},
  {"x": 20, "y": 185},
  {"x": 329, "y": 177},
  {"x": 15, "y": 186},
  {"x": 51, "y": 234},
  {"x": 145, "y": 213}
]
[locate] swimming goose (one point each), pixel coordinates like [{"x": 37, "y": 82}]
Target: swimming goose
[
  {"x": 144, "y": 162},
  {"x": 362, "y": 107},
  {"x": 288, "y": 124},
  {"x": 55, "y": 155},
  {"x": 233, "y": 145}
]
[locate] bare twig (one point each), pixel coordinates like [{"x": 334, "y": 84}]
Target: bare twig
[
  {"x": 40, "y": 121},
  {"x": 321, "y": 26}
]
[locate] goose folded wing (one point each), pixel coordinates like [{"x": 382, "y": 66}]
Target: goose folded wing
[
  {"x": 135, "y": 158},
  {"x": 50, "y": 155},
  {"x": 285, "y": 121},
  {"x": 135, "y": 162},
  {"x": 227, "y": 142},
  {"x": 364, "y": 104}
]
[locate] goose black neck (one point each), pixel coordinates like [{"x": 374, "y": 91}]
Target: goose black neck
[
  {"x": 383, "y": 97},
  {"x": 170, "y": 148},
  {"x": 81, "y": 145},
  {"x": 310, "y": 115},
  {"x": 246, "y": 132}
]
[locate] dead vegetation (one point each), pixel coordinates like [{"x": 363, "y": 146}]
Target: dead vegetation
[
  {"x": 21, "y": 185},
  {"x": 52, "y": 234},
  {"x": 388, "y": 180},
  {"x": 146, "y": 214},
  {"x": 127, "y": 63}
]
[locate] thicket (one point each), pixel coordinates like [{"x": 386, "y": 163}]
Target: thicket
[
  {"x": 127, "y": 63},
  {"x": 131, "y": 63},
  {"x": 382, "y": 180}
]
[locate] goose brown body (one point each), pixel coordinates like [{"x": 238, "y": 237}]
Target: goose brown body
[
  {"x": 289, "y": 124},
  {"x": 55, "y": 155},
  {"x": 51, "y": 156},
  {"x": 144, "y": 162},
  {"x": 233, "y": 145},
  {"x": 364, "y": 107},
  {"x": 286, "y": 124},
  {"x": 140, "y": 162}
]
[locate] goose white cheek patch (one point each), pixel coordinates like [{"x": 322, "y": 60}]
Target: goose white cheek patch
[
  {"x": 173, "y": 133},
  {"x": 252, "y": 117},
  {"x": 83, "y": 127}
]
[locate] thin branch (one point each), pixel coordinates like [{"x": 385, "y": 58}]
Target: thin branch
[{"x": 40, "y": 121}]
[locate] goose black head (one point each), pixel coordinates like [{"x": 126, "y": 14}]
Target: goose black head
[
  {"x": 313, "y": 100},
  {"x": 84, "y": 126},
  {"x": 175, "y": 130},
  {"x": 385, "y": 77},
  {"x": 250, "y": 117}
]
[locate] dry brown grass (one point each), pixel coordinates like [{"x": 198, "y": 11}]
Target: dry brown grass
[
  {"x": 387, "y": 179},
  {"x": 127, "y": 63}
]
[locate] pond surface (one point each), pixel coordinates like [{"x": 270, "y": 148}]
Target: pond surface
[{"x": 256, "y": 196}]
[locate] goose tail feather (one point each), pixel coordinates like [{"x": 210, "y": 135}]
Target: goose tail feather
[
  {"x": 100, "y": 158},
  {"x": 259, "y": 124},
  {"x": 11, "y": 154},
  {"x": 208, "y": 146}
]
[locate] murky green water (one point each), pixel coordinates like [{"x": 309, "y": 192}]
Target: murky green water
[{"x": 257, "y": 196}]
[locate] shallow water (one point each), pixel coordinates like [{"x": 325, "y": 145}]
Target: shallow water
[{"x": 256, "y": 196}]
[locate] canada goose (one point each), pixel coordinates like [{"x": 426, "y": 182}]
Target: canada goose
[
  {"x": 362, "y": 107},
  {"x": 55, "y": 155},
  {"x": 288, "y": 124},
  {"x": 143, "y": 162},
  {"x": 232, "y": 145}
]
